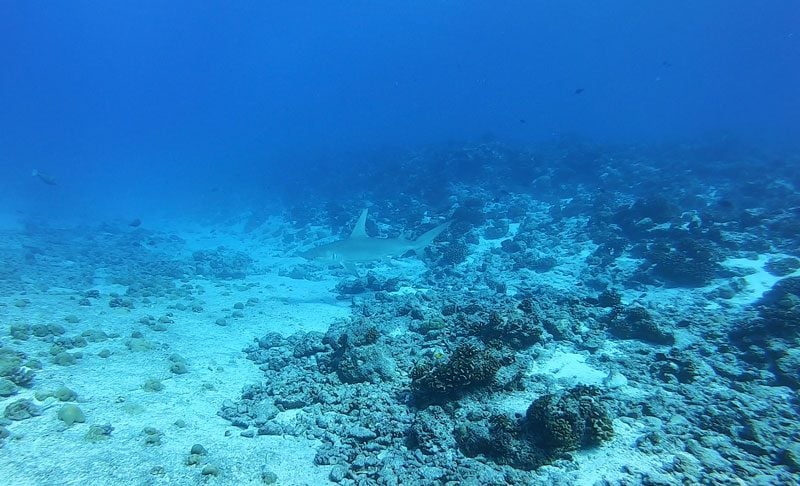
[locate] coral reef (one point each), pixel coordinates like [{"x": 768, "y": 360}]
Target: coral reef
[{"x": 467, "y": 368}]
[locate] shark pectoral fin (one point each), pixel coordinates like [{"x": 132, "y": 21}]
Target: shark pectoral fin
[
  {"x": 351, "y": 268},
  {"x": 426, "y": 239}
]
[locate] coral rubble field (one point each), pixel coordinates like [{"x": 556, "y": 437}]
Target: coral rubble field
[{"x": 591, "y": 315}]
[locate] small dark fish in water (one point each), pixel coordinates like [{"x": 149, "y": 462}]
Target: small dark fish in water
[
  {"x": 522, "y": 120},
  {"x": 46, "y": 178},
  {"x": 726, "y": 204},
  {"x": 579, "y": 91},
  {"x": 135, "y": 223}
]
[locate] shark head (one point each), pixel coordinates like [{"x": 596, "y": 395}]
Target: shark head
[{"x": 322, "y": 254}]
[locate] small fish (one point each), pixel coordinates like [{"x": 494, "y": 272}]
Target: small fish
[
  {"x": 46, "y": 178},
  {"x": 726, "y": 204},
  {"x": 579, "y": 91},
  {"x": 523, "y": 121},
  {"x": 135, "y": 223}
]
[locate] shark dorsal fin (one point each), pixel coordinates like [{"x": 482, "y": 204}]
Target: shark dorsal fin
[{"x": 360, "y": 230}]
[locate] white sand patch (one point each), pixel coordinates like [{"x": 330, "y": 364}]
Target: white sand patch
[
  {"x": 42, "y": 450},
  {"x": 759, "y": 282},
  {"x": 611, "y": 461},
  {"x": 484, "y": 245},
  {"x": 568, "y": 369}
]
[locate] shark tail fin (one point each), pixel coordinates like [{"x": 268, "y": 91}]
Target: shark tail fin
[{"x": 426, "y": 239}]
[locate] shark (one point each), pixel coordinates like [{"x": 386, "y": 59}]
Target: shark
[{"x": 360, "y": 248}]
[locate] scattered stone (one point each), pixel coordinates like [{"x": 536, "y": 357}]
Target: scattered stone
[
  {"x": 64, "y": 394},
  {"x": 194, "y": 459},
  {"x": 153, "y": 385},
  {"x": 21, "y": 332},
  {"x": 7, "y": 387},
  {"x": 178, "y": 368},
  {"x": 337, "y": 474},
  {"x": 361, "y": 434},
  {"x": 152, "y": 436},
  {"x": 268, "y": 477},
  {"x": 70, "y": 414},
  {"x": 137, "y": 345},
  {"x": 21, "y": 410},
  {"x": 94, "y": 335},
  {"x": 98, "y": 433},
  {"x": 65, "y": 359}
]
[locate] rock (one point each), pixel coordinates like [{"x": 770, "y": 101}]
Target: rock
[
  {"x": 21, "y": 410},
  {"x": 361, "y": 434},
  {"x": 138, "y": 344},
  {"x": 21, "y": 332},
  {"x": 615, "y": 379},
  {"x": 337, "y": 474},
  {"x": 70, "y": 414},
  {"x": 178, "y": 368},
  {"x": 99, "y": 433},
  {"x": 64, "y": 394},
  {"x": 7, "y": 387},
  {"x": 268, "y": 477},
  {"x": 270, "y": 428}
]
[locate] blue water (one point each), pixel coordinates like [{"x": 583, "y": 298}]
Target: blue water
[{"x": 138, "y": 107}]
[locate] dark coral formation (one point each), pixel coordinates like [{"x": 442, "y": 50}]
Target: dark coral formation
[
  {"x": 778, "y": 316},
  {"x": 470, "y": 213},
  {"x": 514, "y": 330},
  {"x": 635, "y": 322},
  {"x": 454, "y": 253},
  {"x": 570, "y": 421},
  {"x": 675, "y": 367},
  {"x": 689, "y": 262},
  {"x": 609, "y": 298},
  {"x": 15, "y": 368},
  {"x": 553, "y": 424},
  {"x": 769, "y": 340},
  {"x": 468, "y": 368},
  {"x": 371, "y": 282},
  {"x": 780, "y": 306},
  {"x": 782, "y": 267}
]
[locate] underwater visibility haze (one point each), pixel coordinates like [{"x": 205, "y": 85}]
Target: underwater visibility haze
[{"x": 422, "y": 242}]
